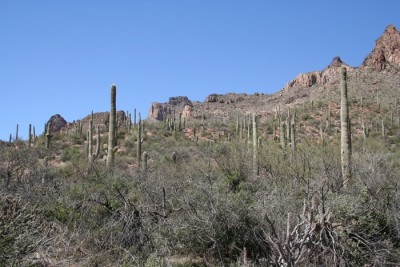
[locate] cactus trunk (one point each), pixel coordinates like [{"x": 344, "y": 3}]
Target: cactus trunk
[
  {"x": 255, "y": 144},
  {"x": 30, "y": 135},
  {"x": 96, "y": 155},
  {"x": 48, "y": 135},
  {"x": 90, "y": 140},
  {"x": 139, "y": 143},
  {"x": 111, "y": 128},
  {"x": 345, "y": 129}
]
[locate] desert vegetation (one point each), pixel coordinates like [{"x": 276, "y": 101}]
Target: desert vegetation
[
  {"x": 307, "y": 176},
  {"x": 202, "y": 192}
]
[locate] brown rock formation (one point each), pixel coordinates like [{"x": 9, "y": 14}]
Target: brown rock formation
[
  {"x": 57, "y": 123},
  {"x": 386, "y": 50},
  {"x": 99, "y": 118},
  {"x": 187, "y": 111},
  {"x": 227, "y": 98},
  {"x": 157, "y": 111},
  {"x": 211, "y": 98},
  {"x": 328, "y": 75},
  {"x": 179, "y": 100}
]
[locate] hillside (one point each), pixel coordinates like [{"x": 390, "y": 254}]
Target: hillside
[
  {"x": 235, "y": 180},
  {"x": 376, "y": 81}
]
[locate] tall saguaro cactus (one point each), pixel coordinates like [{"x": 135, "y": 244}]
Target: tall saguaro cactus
[
  {"x": 30, "y": 135},
  {"x": 16, "y": 133},
  {"x": 90, "y": 140},
  {"x": 96, "y": 154},
  {"x": 282, "y": 134},
  {"x": 255, "y": 144},
  {"x": 345, "y": 134},
  {"x": 49, "y": 135},
  {"x": 139, "y": 142},
  {"x": 112, "y": 128},
  {"x": 293, "y": 134}
]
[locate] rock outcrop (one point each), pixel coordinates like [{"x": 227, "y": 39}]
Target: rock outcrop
[
  {"x": 224, "y": 99},
  {"x": 328, "y": 75},
  {"x": 179, "y": 101},
  {"x": 57, "y": 123},
  {"x": 386, "y": 50},
  {"x": 187, "y": 111},
  {"x": 157, "y": 111},
  {"x": 99, "y": 118}
]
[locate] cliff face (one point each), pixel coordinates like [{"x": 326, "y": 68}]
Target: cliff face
[
  {"x": 159, "y": 111},
  {"x": 385, "y": 54},
  {"x": 386, "y": 50},
  {"x": 328, "y": 75}
]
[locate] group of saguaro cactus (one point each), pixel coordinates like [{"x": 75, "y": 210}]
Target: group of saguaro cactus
[
  {"x": 244, "y": 127},
  {"x": 287, "y": 131},
  {"x": 91, "y": 156},
  {"x": 112, "y": 133},
  {"x": 171, "y": 123}
]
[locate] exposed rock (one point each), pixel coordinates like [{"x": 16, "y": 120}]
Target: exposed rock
[
  {"x": 57, "y": 123},
  {"x": 211, "y": 98},
  {"x": 99, "y": 118},
  {"x": 227, "y": 99},
  {"x": 179, "y": 100},
  {"x": 328, "y": 75},
  {"x": 102, "y": 118},
  {"x": 187, "y": 111},
  {"x": 336, "y": 62},
  {"x": 157, "y": 111},
  {"x": 386, "y": 50}
]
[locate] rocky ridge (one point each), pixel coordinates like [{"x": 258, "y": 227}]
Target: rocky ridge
[
  {"x": 378, "y": 72},
  {"x": 328, "y": 75},
  {"x": 59, "y": 124},
  {"x": 386, "y": 50}
]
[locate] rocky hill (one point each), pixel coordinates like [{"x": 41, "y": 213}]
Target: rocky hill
[
  {"x": 378, "y": 74},
  {"x": 222, "y": 189},
  {"x": 386, "y": 51}
]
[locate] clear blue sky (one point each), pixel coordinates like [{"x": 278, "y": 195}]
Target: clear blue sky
[{"x": 62, "y": 56}]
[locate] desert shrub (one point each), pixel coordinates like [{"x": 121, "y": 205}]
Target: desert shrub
[
  {"x": 305, "y": 116},
  {"x": 70, "y": 153},
  {"x": 76, "y": 139},
  {"x": 23, "y": 231}
]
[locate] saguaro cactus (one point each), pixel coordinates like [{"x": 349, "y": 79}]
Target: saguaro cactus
[
  {"x": 111, "y": 128},
  {"x": 48, "y": 134},
  {"x": 139, "y": 142},
  {"x": 90, "y": 140},
  {"x": 96, "y": 154},
  {"x": 30, "y": 135},
  {"x": 345, "y": 134},
  {"x": 16, "y": 133},
  {"x": 134, "y": 117},
  {"x": 34, "y": 135},
  {"x": 282, "y": 134},
  {"x": 293, "y": 134},
  {"x": 255, "y": 143},
  {"x": 180, "y": 122},
  {"x": 145, "y": 158}
]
